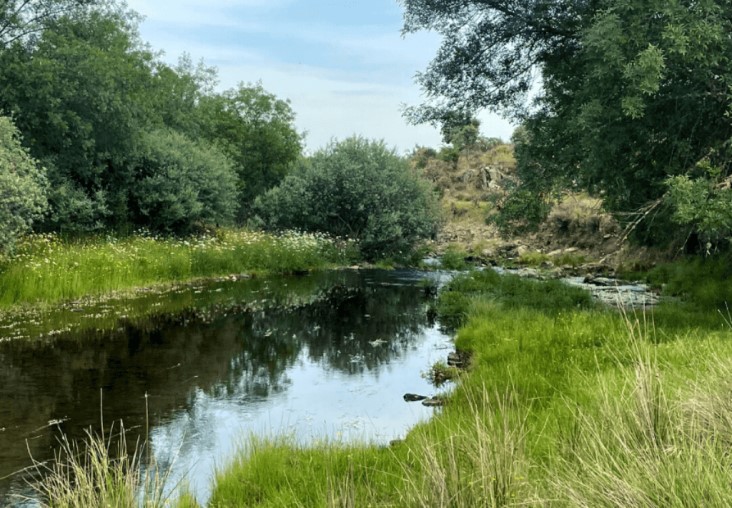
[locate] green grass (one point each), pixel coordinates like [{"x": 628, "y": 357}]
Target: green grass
[
  {"x": 47, "y": 270},
  {"x": 101, "y": 472},
  {"x": 704, "y": 282},
  {"x": 565, "y": 404}
]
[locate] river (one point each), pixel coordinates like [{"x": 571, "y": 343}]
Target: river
[{"x": 320, "y": 356}]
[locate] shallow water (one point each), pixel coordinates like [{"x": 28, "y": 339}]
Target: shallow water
[{"x": 323, "y": 356}]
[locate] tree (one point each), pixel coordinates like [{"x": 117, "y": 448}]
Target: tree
[
  {"x": 80, "y": 99},
  {"x": 255, "y": 129},
  {"x": 21, "y": 19},
  {"x": 355, "y": 189},
  {"x": 22, "y": 187},
  {"x": 181, "y": 184},
  {"x": 632, "y": 91}
]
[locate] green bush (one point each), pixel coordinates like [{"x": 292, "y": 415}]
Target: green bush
[
  {"x": 705, "y": 283},
  {"x": 22, "y": 187},
  {"x": 182, "y": 184},
  {"x": 521, "y": 211},
  {"x": 355, "y": 189},
  {"x": 454, "y": 259},
  {"x": 703, "y": 203}
]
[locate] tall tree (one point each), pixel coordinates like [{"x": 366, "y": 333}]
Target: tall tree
[
  {"x": 630, "y": 92},
  {"x": 79, "y": 99},
  {"x": 256, "y": 130}
]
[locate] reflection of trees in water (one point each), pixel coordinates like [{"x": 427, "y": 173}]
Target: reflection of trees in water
[
  {"x": 244, "y": 355},
  {"x": 358, "y": 328}
]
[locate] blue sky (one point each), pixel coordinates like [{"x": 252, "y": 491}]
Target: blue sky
[{"x": 343, "y": 64}]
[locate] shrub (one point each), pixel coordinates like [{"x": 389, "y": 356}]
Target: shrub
[
  {"x": 519, "y": 212},
  {"x": 703, "y": 203},
  {"x": 454, "y": 259},
  {"x": 182, "y": 183},
  {"x": 355, "y": 189},
  {"x": 22, "y": 187}
]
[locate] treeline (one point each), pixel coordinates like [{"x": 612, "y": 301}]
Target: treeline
[
  {"x": 118, "y": 138},
  {"x": 100, "y": 135}
]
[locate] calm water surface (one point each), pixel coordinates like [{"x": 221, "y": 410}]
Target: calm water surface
[{"x": 321, "y": 356}]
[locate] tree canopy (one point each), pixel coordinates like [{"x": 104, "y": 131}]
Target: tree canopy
[
  {"x": 101, "y": 112},
  {"x": 627, "y": 92},
  {"x": 255, "y": 129}
]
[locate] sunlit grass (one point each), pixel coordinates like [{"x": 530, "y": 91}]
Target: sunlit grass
[
  {"x": 562, "y": 406},
  {"x": 46, "y": 269},
  {"x": 101, "y": 472}
]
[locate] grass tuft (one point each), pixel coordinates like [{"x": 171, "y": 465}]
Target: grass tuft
[{"x": 100, "y": 472}]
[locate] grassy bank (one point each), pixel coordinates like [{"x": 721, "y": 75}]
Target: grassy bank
[
  {"x": 564, "y": 404},
  {"x": 47, "y": 270}
]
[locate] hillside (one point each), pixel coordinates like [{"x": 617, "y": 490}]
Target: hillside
[{"x": 474, "y": 185}]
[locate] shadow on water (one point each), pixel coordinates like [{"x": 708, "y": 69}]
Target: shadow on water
[{"x": 317, "y": 355}]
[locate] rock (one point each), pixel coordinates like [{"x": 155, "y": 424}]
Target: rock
[
  {"x": 433, "y": 402},
  {"x": 604, "y": 281},
  {"x": 413, "y": 397},
  {"x": 454, "y": 359}
]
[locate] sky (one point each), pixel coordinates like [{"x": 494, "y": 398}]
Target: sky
[{"x": 343, "y": 64}]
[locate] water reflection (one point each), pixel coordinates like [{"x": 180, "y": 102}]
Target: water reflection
[{"x": 322, "y": 355}]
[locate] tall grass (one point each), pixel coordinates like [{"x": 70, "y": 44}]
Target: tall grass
[
  {"x": 646, "y": 444},
  {"x": 46, "y": 269},
  {"x": 100, "y": 472}
]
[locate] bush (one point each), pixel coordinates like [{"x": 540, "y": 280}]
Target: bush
[
  {"x": 704, "y": 282},
  {"x": 355, "y": 189},
  {"x": 704, "y": 204},
  {"x": 182, "y": 184},
  {"x": 22, "y": 187},
  {"x": 521, "y": 211}
]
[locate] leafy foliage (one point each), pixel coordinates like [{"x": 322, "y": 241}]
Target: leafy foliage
[
  {"x": 20, "y": 20},
  {"x": 22, "y": 187},
  {"x": 356, "y": 189},
  {"x": 79, "y": 99},
  {"x": 704, "y": 203},
  {"x": 520, "y": 211},
  {"x": 631, "y": 92},
  {"x": 255, "y": 129},
  {"x": 93, "y": 103},
  {"x": 181, "y": 184}
]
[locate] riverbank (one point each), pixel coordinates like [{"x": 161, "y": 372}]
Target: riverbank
[
  {"x": 567, "y": 405},
  {"x": 47, "y": 270}
]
